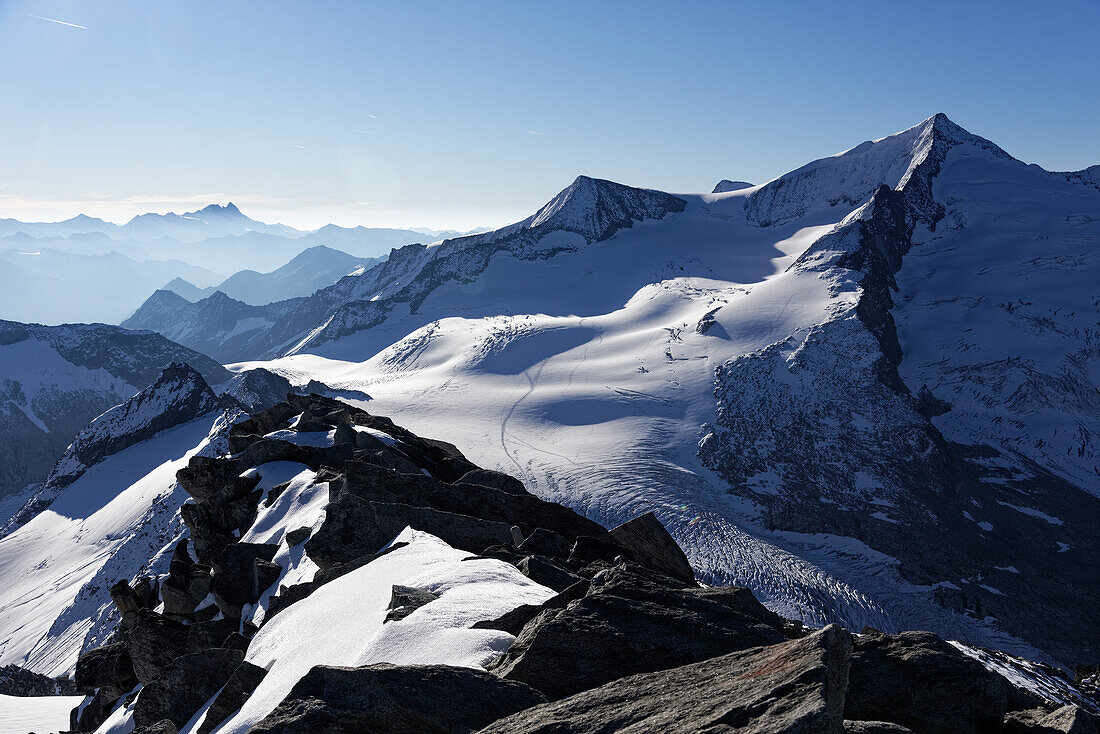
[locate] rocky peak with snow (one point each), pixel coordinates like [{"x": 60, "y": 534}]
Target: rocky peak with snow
[
  {"x": 179, "y": 395},
  {"x": 596, "y": 209}
]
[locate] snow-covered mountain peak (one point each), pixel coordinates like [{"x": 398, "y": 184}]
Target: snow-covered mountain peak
[
  {"x": 595, "y": 208},
  {"x": 850, "y": 178}
]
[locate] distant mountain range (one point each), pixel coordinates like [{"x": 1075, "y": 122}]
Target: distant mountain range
[
  {"x": 312, "y": 269},
  {"x": 85, "y": 269}
]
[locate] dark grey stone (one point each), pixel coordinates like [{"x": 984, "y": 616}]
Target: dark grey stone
[
  {"x": 390, "y": 699},
  {"x": 236, "y": 691},
  {"x": 633, "y": 621},
  {"x": 184, "y": 685},
  {"x": 795, "y": 687},
  {"x": 919, "y": 681},
  {"x": 649, "y": 544}
]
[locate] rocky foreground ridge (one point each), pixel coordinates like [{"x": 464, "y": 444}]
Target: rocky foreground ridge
[{"x": 624, "y": 638}]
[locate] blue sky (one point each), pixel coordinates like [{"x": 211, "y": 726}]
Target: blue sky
[{"x": 457, "y": 115}]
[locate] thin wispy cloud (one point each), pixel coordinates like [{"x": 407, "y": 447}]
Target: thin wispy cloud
[
  {"x": 61, "y": 22},
  {"x": 299, "y": 147},
  {"x": 365, "y": 132},
  {"x": 373, "y": 117},
  {"x": 534, "y": 132}
]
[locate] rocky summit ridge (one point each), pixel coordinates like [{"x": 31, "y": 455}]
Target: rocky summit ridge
[{"x": 397, "y": 570}]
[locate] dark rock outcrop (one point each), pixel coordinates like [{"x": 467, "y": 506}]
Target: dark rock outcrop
[
  {"x": 650, "y": 544},
  {"x": 792, "y": 687},
  {"x": 404, "y": 600},
  {"x": 389, "y": 699},
  {"x": 184, "y": 685},
  {"x": 919, "y": 681},
  {"x": 633, "y": 621},
  {"x": 236, "y": 691}
]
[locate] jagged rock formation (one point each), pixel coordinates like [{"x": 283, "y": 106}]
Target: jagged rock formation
[
  {"x": 55, "y": 379},
  {"x": 628, "y": 643}
]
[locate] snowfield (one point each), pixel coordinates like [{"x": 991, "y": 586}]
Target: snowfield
[
  {"x": 103, "y": 527},
  {"x": 38, "y": 714},
  {"x": 343, "y": 623}
]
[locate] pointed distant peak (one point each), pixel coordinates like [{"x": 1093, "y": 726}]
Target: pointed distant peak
[
  {"x": 726, "y": 185},
  {"x": 596, "y": 208},
  {"x": 230, "y": 209}
]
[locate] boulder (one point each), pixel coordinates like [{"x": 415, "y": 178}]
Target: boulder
[
  {"x": 184, "y": 686},
  {"x": 236, "y": 691},
  {"x": 153, "y": 640},
  {"x": 921, "y": 682},
  {"x": 795, "y": 687},
  {"x": 187, "y": 584},
  {"x": 544, "y": 571},
  {"x": 631, "y": 621},
  {"x": 514, "y": 621},
  {"x": 494, "y": 479},
  {"x": 208, "y": 478},
  {"x": 125, "y": 598},
  {"x": 390, "y": 699},
  {"x": 545, "y": 542},
  {"x": 354, "y": 527},
  {"x": 105, "y": 666},
  {"x": 650, "y": 545},
  {"x": 404, "y": 600},
  {"x": 164, "y": 726},
  {"x": 238, "y": 577},
  {"x": 296, "y": 537},
  {"x": 589, "y": 548},
  {"x": 1066, "y": 720}
]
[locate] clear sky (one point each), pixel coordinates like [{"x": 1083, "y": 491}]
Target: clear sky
[{"x": 449, "y": 114}]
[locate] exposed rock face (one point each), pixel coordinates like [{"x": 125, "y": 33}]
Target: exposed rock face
[
  {"x": 901, "y": 477},
  {"x": 919, "y": 681},
  {"x": 632, "y": 621},
  {"x": 795, "y": 686},
  {"x": 236, "y": 691},
  {"x": 388, "y": 699},
  {"x": 726, "y": 185},
  {"x": 184, "y": 685},
  {"x": 180, "y": 394}
]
